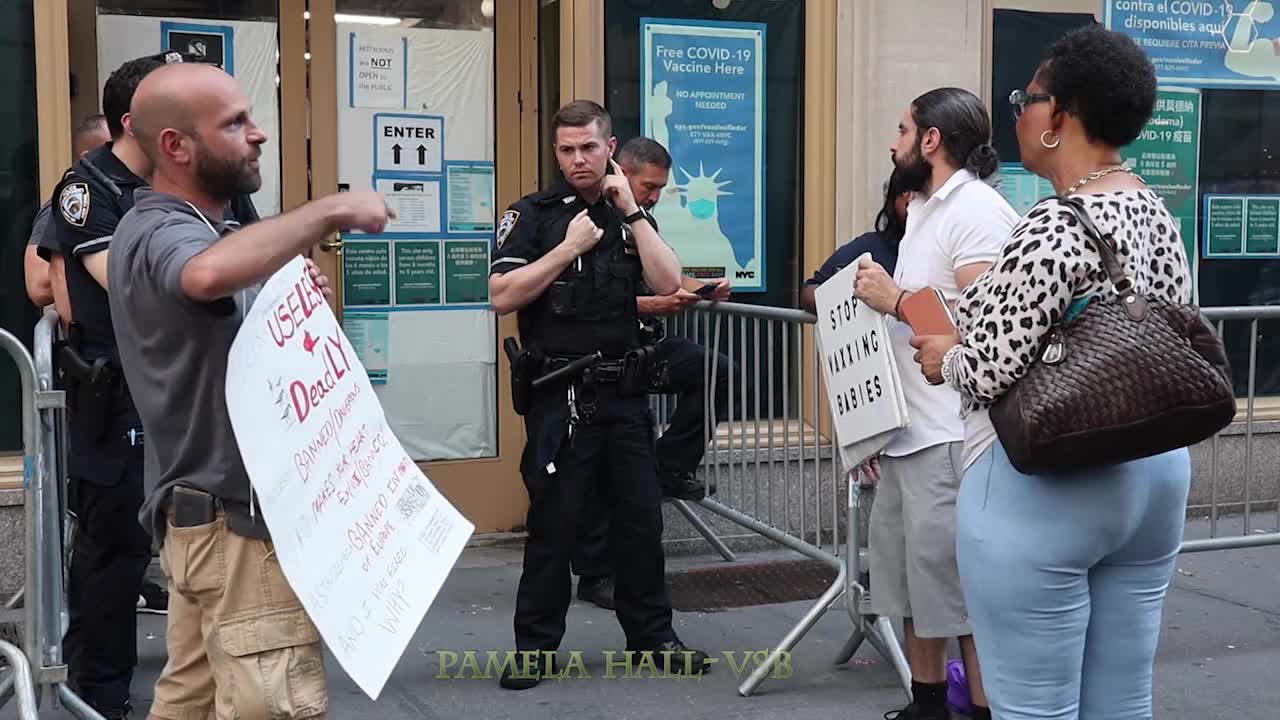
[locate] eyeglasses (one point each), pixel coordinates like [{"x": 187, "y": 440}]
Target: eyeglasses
[{"x": 1020, "y": 100}]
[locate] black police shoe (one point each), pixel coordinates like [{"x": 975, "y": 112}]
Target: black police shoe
[
  {"x": 517, "y": 676},
  {"x": 597, "y": 591},
  {"x": 682, "y": 658},
  {"x": 153, "y": 599},
  {"x": 683, "y": 486}
]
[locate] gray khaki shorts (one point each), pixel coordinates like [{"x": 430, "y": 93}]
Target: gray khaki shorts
[{"x": 912, "y": 541}]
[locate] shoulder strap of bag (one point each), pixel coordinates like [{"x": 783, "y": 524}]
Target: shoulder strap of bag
[{"x": 1106, "y": 245}]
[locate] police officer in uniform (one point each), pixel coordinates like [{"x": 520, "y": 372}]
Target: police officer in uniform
[
  {"x": 570, "y": 259},
  {"x": 112, "y": 549}
]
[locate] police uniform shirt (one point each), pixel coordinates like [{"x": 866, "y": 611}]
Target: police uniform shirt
[
  {"x": 85, "y": 214},
  {"x": 592, "y": 304}
]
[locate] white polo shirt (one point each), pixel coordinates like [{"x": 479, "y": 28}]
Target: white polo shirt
[{"x": 964, "y": 222}]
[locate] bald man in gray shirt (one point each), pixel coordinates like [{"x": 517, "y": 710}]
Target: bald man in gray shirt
[{"x": 182, "y": 279}]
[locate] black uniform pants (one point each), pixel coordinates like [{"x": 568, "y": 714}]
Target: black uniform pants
[
  {"x": 613, "y": 454},
  {"x": 679, "y": 449},
  {"x": 109, "y": 559}
]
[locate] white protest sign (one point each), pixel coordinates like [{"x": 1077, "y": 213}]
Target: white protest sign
[
  {"x": 408, "y": 143},
  {"x": 364, "y": 538},
  {"x": 859, "y": 369},
  {"x": 378, "y": 71}
]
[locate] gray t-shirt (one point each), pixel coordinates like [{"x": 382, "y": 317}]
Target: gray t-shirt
[
  {"x": 174, "y": 353},
  {"x": 40, "y": 224}
]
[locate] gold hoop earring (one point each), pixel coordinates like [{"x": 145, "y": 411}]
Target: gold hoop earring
[{"x": 1056, "y": 142}]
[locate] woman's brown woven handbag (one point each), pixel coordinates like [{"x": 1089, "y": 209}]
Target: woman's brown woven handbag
[{"x": 1129, "y": 378}]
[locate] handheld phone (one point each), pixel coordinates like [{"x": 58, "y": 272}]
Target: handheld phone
[{"x": 706, "y": 291}]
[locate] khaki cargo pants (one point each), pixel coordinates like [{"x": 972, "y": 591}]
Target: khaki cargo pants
[{"x": 240, "y": 643}]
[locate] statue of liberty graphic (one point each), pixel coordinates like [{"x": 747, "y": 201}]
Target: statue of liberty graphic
[{"x": 688, "y": 211}]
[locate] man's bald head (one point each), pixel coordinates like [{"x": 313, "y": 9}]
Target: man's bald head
[
  {"x": 193, "y": 121},
  {"x": 164, "y": 101}
]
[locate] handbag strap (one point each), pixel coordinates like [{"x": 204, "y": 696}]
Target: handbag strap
[{"x": 1120, "y": 282}]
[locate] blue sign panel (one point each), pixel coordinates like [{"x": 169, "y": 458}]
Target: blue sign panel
[
  {"x": 1198, "y": 43},
  {"x": 702, "y": 97}
]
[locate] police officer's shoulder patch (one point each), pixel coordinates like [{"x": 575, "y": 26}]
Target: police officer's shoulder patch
[
  {"x": 74, "y": 203},
  {"x": 505, "y": 225}
]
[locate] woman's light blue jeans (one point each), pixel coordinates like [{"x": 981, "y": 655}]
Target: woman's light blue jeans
[{"x": 1065, "y": 577}]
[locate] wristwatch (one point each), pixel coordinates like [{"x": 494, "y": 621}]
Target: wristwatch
[{"x": 637, "y": 215}]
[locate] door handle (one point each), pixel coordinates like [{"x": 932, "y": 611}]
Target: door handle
[{"x": 333, "y": 244}]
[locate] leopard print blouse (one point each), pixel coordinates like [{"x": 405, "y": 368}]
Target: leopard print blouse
[{"x": 1004, "y": 315}]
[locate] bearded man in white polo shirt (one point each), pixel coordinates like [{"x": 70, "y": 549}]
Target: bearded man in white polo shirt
[{"x": 956, "y": 227}]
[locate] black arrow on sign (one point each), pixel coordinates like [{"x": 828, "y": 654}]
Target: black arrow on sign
[
  {"x": 422, "y": 154},
  {"x": 395, "y": 153}
]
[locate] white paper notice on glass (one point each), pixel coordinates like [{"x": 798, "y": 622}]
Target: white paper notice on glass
[
  {"x": 378, "y": 71},
  {"x": 858, "y": 367},
  {"x": 416, "y": 202},
  {"x": 364, "y": 538}
]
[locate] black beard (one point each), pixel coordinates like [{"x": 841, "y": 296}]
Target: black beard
[
  {"x": 226, "y": 180},
  {"x": 914, "y": 171}
]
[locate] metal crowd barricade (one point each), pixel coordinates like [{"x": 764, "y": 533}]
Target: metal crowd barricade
[
  {"x": 38, "y": 669},
  {"x": 776, "y": 475},
  {"x": 1226, "y": 319},
  {"x": 770, "y": 434}
]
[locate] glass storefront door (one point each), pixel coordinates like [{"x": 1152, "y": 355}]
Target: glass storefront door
[{"x": 415, "y": 112}]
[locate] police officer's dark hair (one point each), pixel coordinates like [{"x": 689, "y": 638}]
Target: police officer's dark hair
[
  {"x": 581, "y": 113},
  {"x": 891, "y": 227},
  {"x": 644, "y": 151},
  {"x": 964, "y": 124},
  {"x": 1104, "y": 79},
  {"x": 118, "y": 91}
]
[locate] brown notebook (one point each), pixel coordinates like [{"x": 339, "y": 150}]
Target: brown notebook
[{"x": 927, "y": 312}]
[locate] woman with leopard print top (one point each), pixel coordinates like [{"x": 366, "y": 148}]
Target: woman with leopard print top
[{"x": 1065, "y": 578}]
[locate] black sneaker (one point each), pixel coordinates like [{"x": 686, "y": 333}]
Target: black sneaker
[
  {"x": 516, "y": 676},
  {"x": 919, "y": 712},
  {"x": 597, "y": 591},
  {"x": 153, "y": 599},
  {"x": 681, "y": 660},
  {"x": 684, "y": 486}
]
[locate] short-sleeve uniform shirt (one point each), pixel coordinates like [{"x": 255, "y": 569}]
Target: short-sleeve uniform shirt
[
  {"x": 86, "y": 208},
  {"x": 592, "y": 303}
]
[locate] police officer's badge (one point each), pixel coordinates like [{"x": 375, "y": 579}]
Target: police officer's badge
[
  {"x": 74, "y": 203},
  {"x": 505, "y": 225}
]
